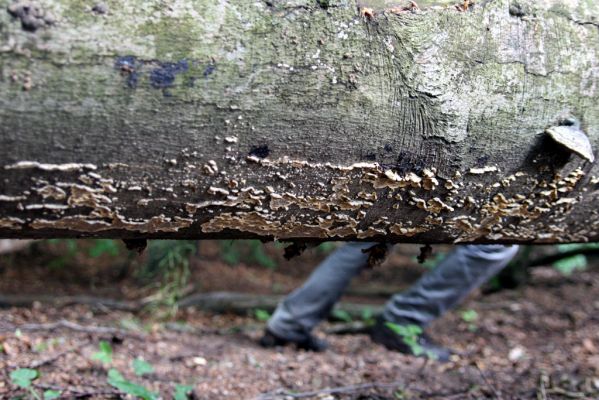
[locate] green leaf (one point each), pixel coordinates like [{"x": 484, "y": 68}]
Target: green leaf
[
  {"x": 414, "y": 330},
  {"x": 104, "y": 246},
  {"x": 409, "y": 335},
  {"x": 342, "y": 315},
  {"x": 570, "y": 264},
  {"x": 326, "y": 247},
  {"x": 261, "y": 315},
  {"x": 432, "y": 262},
  {"x": 366, "y": 314},
  {"x": 562, "y": 248},
  {"x": 469, "y": 315},
  {"x": 258, "y": 254},
  {"x": 141, "y": 367},
  {"x": 405, "y": 330},
  {"x": 229, "y": 252},
  {"x": 23, "y": 377},
  {"x": 104, "y": 355},
  {"x": 182, "y": 392},
  {"x": 116, "y": 380},
  {"x": 51, "y": 394}
]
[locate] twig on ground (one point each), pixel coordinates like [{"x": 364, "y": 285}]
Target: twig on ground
[
  {"x": 566, "y": 393},
  {"x": 336, "y": 390},
  {"x": 51, "y": 359},
  {"x": 101, "y": 330},
  {"x": 80, "y": 393},
  {"x": 179, "y": 328},
  {"x": 349, "y": 328},
  {"x": 496, "y": 394},
  {"x": 282, "y": 393},
  {"x": 542, "y": 390}
]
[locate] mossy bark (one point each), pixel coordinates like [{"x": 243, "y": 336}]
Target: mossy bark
[{"x": 293, "y": 119}]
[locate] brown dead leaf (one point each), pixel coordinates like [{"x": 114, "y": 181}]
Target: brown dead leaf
[
  {"x": 589, "y": 346},
  {"x": 9, "y": 349}
]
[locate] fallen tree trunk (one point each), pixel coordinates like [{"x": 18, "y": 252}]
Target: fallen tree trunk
[
  {"x": 300, "y": 119},
  {"x": 213, "y": 302}
]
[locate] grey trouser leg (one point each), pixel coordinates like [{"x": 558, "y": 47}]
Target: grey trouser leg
[
  {"x": 439, "y": 290},
  {"x": 463, "y": 270},
  {"x": 304, "y": 308}
]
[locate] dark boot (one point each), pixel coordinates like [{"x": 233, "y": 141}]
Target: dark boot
[
  {"x": 308, "y": 343},
  {"x": 408, "y": 339}
]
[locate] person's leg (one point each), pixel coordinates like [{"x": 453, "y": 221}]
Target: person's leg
[
  {"x": 439, "y": 290},
  {"x": 303, "y": 309}
]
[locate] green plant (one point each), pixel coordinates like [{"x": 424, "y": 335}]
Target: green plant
[
  {"x": 341, "y": 315},
  {"x": 40, "y": 347},
  {"x": 141, "y": 367},
  {"x": 98, "y": 248},
  {"x": 432, "y": 262},
  {"x": 569, "y": 265},
  {"x": 183, "y": 392},
  {"x": 24, "y": 377},
  {"x": 261, "y": 315},
  {"x": 104, "y": 246},
  {"x": 104, "y": 354},
  {"x": 470, "y": 316},
  {"x": 410, "y": 335},
  {"x": 71, "y": 250},
  {"x": 367, "y": 316},
  {"x": 326, "y": 247},
  {"x": 168, "y": 260},
  {"x": 51, "y": 394},
  {"x": 116, "y": 380},
  {"x": 251, "y": 251},
  {"x": 400, "y": 394}
]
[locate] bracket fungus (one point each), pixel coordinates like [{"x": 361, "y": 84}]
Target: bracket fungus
[{"x": 571, "y": 136}]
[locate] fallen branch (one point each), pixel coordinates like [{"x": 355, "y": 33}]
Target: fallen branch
[
  {"x": 552, "y": 258},
  {"x": 496, "y": 393},
  {"x": 329, "y": 391},
  {"x": 62, "y": 301},
  {"x": 214, "y": 302},
  {"x": 349, "y": 328},
  {"x": 64, "y": 324},
  {"x": 566, "y": 393},
  {"x": 283, "y": 394},
  {"x": 244, "y": 303}
]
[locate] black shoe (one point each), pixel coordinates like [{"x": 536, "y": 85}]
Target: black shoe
[
  {"x": 408, "y": 339},
  {"x": 309, "y": 343}
]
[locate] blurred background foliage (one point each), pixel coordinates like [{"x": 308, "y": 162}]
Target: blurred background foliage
[{"x": 164, "y": 271}]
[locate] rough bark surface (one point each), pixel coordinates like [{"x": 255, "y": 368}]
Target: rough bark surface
[{"x": 295, "y": 119}]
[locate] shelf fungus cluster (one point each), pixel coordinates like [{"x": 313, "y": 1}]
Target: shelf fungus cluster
[{"x": 288, "y": 198}]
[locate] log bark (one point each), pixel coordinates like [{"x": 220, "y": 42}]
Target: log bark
[{"x": 300, "y": 119}]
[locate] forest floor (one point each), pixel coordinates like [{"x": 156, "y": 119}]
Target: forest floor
[{"x": 540, "y": 341}]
